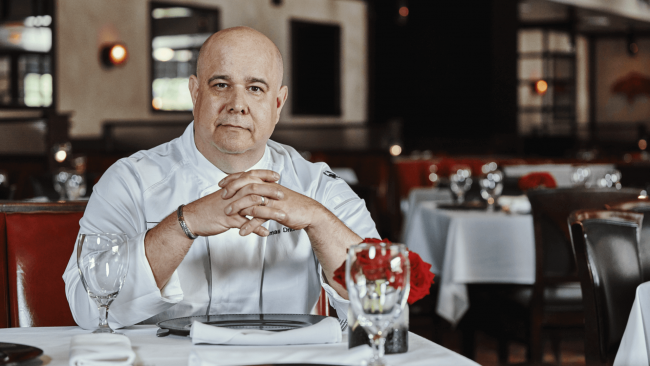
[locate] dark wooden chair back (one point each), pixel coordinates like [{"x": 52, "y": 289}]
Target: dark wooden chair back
[
  {"x": 551, "y": 209},
  {"x": 607, "y": 254},
  {"x": 641, "y": 206},
  {"x": 39, "y": 239},
  {"x": 555, "y": 264}
]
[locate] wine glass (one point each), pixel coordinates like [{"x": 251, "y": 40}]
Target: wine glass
[
  {"x": 491, "y": 187},
  {"x": 611, "y": 179},
  {"x": 75, "y": 186},
  {"x": 60, "y": 179},
  {"x": 103, "y": 261},
  {"x": 460, "y": 182},
  {"x": 378, "y": 282},
  {"x": 580, "y": 176}
]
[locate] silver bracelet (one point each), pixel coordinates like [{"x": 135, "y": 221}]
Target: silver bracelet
[{"x": 181, "y": 221}]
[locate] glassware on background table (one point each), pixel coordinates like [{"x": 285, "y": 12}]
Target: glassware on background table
[
  {"x": 75, "y": 187},
  {"x": 580, "y": 176},
  {"x": 60, "y": 178},
  {"x": 611, "y": 179},
  {"x": 103, "y": 261},
  {"x": 491, "y": 187},
  {"x": 377, "y": 277},
  {"x": 460, "y": 181}
]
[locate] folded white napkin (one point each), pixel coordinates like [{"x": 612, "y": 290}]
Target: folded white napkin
[
  {"x": 101, "y": 349},
  {"x": 327, "y": 330},
  {"x": 516, "y": 204}
]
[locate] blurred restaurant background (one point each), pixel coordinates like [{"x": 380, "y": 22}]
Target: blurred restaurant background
[{"x": 397, "y": 96}]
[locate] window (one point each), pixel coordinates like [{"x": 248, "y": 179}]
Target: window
[
  {"x": 316, "y": 69},
  {"x": 547, "y": 85},
  {"x": 26, "y": 72},
  {"x": 177, "y": 33}
]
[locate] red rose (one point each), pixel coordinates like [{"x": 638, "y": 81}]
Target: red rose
[
  {"x": 421, "y": 278},
  {"x": 537, "y": 180},
  {"x": 379, "y": 268}
]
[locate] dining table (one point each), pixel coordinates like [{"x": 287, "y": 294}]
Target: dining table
[
  {"x": 635, "y": 345},
  {"x": 176, "y": 350},
  {"x": 466, "y": 246}
]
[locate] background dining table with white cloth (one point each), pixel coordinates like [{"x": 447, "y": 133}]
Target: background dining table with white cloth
[
  {"x": 635, "y": 346},
  {"x": 471, "y": 246},
  {"x": 561, "y": 172},
  {"x": 177, "y": 350}
]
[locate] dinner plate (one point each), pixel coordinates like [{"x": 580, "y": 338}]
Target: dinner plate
[
  {"x": 13, "y": 353},
  {"x": 272, "y": 322}
]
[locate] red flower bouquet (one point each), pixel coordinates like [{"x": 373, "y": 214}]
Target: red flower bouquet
[
  {"x": 379, "y": 267},
  {"x": 537, "y": 180}
]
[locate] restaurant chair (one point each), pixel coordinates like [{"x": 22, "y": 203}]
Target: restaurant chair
[
  {"x": 552, "y": 306},
  {"x": 641, "y": 206},
  {"x": 607, "y": 254},
  {"x": 39, "y": 239}
]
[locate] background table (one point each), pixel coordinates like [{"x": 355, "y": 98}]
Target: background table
[
  {"x": 471, "y": 247},
  {"x": 175, "y": 350},
  {"x": 561, "y": 172},
  {"x": 635, "y": 347}
]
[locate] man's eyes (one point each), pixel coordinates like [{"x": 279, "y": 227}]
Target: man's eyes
[
  {"x": 255, "y": 89},
  {"x": 221, "y": 85}
]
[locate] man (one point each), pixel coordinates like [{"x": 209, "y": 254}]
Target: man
[{"x": 223, "y": 220}]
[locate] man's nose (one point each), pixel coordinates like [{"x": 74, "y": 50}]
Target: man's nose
[{"x": 237, "y": 103}]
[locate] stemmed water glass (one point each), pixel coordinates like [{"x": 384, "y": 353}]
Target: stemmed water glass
[
  {"x": 491, "y": 187},
  {"x": 460, "y": 182},
  {"x": 103, "y": 261},
  {"x": 580, "y": 176},
  {"x": 377, "y": 277}
]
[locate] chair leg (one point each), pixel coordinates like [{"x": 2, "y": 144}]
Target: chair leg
[
  {"x": 535, "y": 345},
  {"x": 555, "y": 345},
  {"x": 468, "y": 348},
  {"x": 503, "y": 351}
]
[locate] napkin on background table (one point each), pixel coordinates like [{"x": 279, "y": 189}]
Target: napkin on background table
[
  {"x": 327, "y": 330},
  {"x": 516, "y": 204},
  {"x": 101, "y": 349}
]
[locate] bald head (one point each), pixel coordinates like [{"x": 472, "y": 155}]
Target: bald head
[{"x": 240, "y": 37}]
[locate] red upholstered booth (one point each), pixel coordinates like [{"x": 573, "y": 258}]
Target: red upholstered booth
[{"x": 36, "y": 241}]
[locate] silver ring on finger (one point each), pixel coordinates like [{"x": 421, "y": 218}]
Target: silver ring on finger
[{"x": 263, "y": 201}]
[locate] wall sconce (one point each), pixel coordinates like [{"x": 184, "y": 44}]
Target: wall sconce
[
  {"x": 540, "y": 87},
  {"x": 114, "y": 54}
]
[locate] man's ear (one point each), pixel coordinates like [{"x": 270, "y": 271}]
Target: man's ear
[
  {"x": 194, "y": 90},
  {"x": 280, "y": 100}
]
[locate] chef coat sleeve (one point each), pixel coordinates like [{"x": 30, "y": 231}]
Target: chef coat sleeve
[
  {"x": 341, "y": 200},
  {"x": 116, "y": 207}
]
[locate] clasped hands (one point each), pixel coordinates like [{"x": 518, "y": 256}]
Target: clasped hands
[{"x": 240, "y": 196}]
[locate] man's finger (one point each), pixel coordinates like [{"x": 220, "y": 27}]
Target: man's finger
[
  {"x": 264, "y": 212},
  {"x": 251, "y": 195},
  {"x": 254, "y": 175},
  {"x": 254, "y": 225}
]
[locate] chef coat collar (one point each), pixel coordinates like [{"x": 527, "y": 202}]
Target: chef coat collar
[{"x": 202, "y": 165}]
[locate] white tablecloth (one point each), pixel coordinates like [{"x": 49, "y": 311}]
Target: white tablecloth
[
  {"x": 417, "y": 196},
  {"x": 471, "y": 247},
  {"x": 635, "y": 345},
  {"x": 561, "y": 172},
  {"x": 175, "y": 350}
]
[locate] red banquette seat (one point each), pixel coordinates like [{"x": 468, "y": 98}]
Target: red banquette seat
[{"x": 36, "y": 241}]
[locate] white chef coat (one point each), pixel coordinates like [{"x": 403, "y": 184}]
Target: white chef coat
[{"x": 221, "y": 274}]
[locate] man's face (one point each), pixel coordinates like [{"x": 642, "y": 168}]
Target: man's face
[{"x": 237, "y": 96}]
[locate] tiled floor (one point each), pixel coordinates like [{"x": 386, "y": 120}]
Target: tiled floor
[{"x": 572, "y": 352}]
